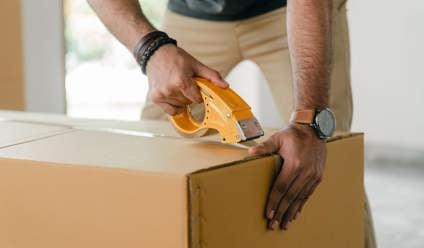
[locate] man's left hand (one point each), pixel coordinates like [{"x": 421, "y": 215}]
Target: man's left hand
[{"x": 303, "y": 154}]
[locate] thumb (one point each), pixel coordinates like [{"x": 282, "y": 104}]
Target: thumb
[
  {"x": 269, "y": 146},
  {"x": 212, "y": 75}
]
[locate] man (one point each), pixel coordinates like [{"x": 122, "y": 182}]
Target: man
[{"x": 295, "y": 43}]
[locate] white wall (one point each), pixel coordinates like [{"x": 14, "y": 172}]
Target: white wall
[
  {"x": 388, "y": 70},
  {"x": 44, "y": 55},
  {"x": 250, "y": 83},
  {"x": 387, "y": 46}
]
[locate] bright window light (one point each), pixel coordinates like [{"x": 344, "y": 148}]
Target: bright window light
[{"x": 102, "y": 78}]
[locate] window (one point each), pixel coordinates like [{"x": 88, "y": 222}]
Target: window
[{"x": 102, "y": 78}]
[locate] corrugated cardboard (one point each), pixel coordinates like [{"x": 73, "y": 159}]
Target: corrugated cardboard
[
  {"x": 103, "y": 189},
  {"x": 13, "y": 132}
]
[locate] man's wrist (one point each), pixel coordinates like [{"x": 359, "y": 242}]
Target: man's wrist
[
  {"x": 304, "y": 131},
  {"x": 314, "y": 105},
  {"x": 321, "y": 121},
  {"x": 148, "y": 45}
]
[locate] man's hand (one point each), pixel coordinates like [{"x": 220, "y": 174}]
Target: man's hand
[
  {"x": 170, "y": 71},
  {"x": 303, "y": 154}
]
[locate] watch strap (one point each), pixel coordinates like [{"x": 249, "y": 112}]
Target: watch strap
[{"x": 303, "y": 116}]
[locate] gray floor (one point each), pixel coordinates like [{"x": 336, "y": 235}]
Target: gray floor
[{"x": 394, "y": 181}]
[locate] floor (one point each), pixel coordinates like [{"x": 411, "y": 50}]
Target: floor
[{"x": 395, "y": 185}]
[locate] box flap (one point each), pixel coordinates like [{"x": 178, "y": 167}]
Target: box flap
[
  {"x": 104, "y": 149},
  {"x": 118, "y": 148},
  {"x": 13, "y": 132},
  {"x": 137, "y": 128},
  {"x": 146, "y": 126}
]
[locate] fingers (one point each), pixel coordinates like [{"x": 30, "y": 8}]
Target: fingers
[
  {"x": 292, "y": 202},
  {"x": 311, "y": 191},
  {"x": 273, "y": 144},
  {"x": 171, "y": 73},
  {"x": 171, "y": 99},
  {"x": 170, "y": 109},
  {"x": 294, "y": 207},
  {"x": 212, "y": 75},
  {"x": 191, "y": 91},
  {"x": 278, "y": 191},
  {"x": 289, "y": 197},
  {"x": 304, "y": 162}
]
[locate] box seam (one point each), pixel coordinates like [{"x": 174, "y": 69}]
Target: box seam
[
  {"x": 193, "y": 213},
  {"x": 40, "y": 137}
]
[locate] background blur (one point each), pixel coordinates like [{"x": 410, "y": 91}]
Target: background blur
[
  {"x": 98, "y": 65},
  {"x": 71, "y": 64}
]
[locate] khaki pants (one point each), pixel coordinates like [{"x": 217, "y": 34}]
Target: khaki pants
[{"x": 263, "y": 40}]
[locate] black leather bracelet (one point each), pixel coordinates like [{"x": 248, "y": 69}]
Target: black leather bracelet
[
  {"x": 153, "y": 47},
  {"x": 148, "y": 45},
  {"x": 145, "y": 40}
]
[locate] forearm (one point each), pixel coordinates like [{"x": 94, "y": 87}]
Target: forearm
[
  {"x": 124, "y": 19},
  {"x": 310, "y": 45}
]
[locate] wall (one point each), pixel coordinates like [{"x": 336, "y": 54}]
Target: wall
[
  {"x": 387, "y": 70},
  {"x": 32, "y": 56},
  {"x": 11, "y": 64},
  {"x": 43, "y": 43}
]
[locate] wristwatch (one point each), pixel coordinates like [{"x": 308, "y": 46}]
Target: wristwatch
[{"x": 322, "y": 121}]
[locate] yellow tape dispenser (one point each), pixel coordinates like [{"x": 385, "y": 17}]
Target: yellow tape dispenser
[{"x": 224, "y": 111}]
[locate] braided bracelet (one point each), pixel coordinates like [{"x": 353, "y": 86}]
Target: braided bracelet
[
  {"x": 148, "y": 45},
  {"x": 144, "y": 42},
  {"x": 145, "y": 39},
  {"x": 152, "y": 49}
]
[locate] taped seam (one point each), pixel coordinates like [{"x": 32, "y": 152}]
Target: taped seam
[{"x": 40, "y": 137}]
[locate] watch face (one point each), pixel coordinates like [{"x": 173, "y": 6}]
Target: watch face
[{"x": 326, "y": 122}]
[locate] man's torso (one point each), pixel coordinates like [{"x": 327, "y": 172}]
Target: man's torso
[{"x": 224, "y": 10}]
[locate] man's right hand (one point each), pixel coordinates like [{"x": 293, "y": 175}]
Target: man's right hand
[{"x": 170, "y": 71}]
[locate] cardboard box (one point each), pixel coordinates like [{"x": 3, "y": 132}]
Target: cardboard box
[
  {"x": 159, "y": 128},
  {"x": 14, "y": 132},
  {"x": 87, "y": 188}
]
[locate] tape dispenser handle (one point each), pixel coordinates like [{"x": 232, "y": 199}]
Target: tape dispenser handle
[{"x": 184, "y": 122}]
